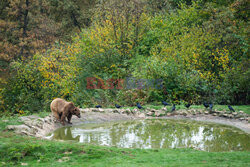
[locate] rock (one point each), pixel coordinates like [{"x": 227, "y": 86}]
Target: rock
[
  {"x": 101, "y": 110},
  {"x": 116, "y": 111},
  {"x": 95, "y": 110},
  {"x": 135, "y": 110},
  {"x": 214, "y": 114},
  {"x": 24, "y": 164},
  {"x": 164, "y": 109},
  {"x": 157, "y": 114},
  {"x": 142, "y": 115},
  {"x": 84, "y": 110},
  {"x": 21, "y": 129},
  {"x": 241, "y": 119},
  {"x": 225, "y": 115},
  {"x": 230, "y": 116},
  {"x": 150, "y": 113},
  {"x": 185, "y": 113},
  {"x": 234, "y": 113},
  {"x": 241, "y": 112},
  {"x": 127, "y": 112},
  {"x": 206, "y": 112},
  {"x": 169, "y": 114},
  {"x": 28, "y": 118}
]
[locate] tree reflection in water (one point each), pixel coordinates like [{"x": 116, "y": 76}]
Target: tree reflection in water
[{"x": 159, "y": 134}]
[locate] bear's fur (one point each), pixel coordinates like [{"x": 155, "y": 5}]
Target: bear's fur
[{"x": 62, "y": 109}]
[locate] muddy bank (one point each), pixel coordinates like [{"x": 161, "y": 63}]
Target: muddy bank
[{"x": 40, "y": 127}]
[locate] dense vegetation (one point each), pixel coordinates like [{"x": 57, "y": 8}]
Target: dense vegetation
[{"x": 199, "y": 50}]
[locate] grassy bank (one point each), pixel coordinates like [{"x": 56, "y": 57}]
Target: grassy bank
[{"x": 18, "y": 150}]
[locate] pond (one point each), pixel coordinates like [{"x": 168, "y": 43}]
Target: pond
[{"x": 158, "y": 133}]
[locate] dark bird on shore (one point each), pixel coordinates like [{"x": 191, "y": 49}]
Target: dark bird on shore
[
  {"x": 139, "y": 106},
  {"x": 231, "y": 108},
  {"x": 205, "y": 105},
  {"x": 173, "y": 108},
  {"x": 117, "y": 106},
  {"x": 211, "y": 106},
  {"x": 188, "y": 105},
  {"x": 165, "y": 103},
  {"x": 98, "y": 106}
]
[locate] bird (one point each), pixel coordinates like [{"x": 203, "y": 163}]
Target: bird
[
  {"x": 173, "y": 108},
  {"x": 139, "y": 106},
  {"x": 211, "y": 106},
  {"x": 205, "y": 105},
  {"x": 231, "y": 108},
  {"x": 188, "y": 105},
  {"x": 98, "y": 106},
  {"x": 165, "y": 103},
  {"x": 117, "y": 106}
]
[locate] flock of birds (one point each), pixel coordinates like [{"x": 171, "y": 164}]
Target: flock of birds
[{"x": 206, "y": 105}]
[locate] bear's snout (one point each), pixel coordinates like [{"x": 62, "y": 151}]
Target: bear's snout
[{"x": 79, "y": 116}]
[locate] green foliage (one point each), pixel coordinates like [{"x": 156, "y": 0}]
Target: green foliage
[{"x": 199, "y": 49}]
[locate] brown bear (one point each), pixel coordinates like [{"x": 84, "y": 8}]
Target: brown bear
[{"x": 62, "y": 109}]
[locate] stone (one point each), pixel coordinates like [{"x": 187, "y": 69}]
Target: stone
[
  {"x": 185, "y": 113},
  {"x": 164, "y": 109},
  {"x": 101, "y": 110},
  {"x": 150, "y": 113},
  {"x": 157, "y": 114},
  {"x": 28, "y": 118},
  {"x": 241, "y": 112},
  {"x": 225, "y": 115},
  {"x": 115, "y": 111},
  {"x": 95, "y": 110},
  {"x": 214, "y": 114},
  {"x": 230, "y": 116},
  {"x": 24, "y": 164},
  {"x": 142, "y": 115},
  {"x": 135, "y": 110},
  {"x": 128, "y": 112},
  {"x": 169, "y": 114},
  {"x": 206, "y": 112},
  {"x": 234, "y": 113},
  {"x": 241, "y": 119}
]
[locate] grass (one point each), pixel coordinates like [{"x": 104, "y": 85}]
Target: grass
[{"x": 17, "y": 150}]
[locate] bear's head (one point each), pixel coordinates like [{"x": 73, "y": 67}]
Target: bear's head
[{"x": 76, "y": 112}]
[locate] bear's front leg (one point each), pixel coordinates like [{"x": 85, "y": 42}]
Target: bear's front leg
[
  {"x": 63, "y": 119},
  {"x": 69, "y": 118}
]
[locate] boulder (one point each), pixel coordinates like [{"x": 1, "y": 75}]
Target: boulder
[
  {"x": 141, "y": 115},
  {"x": 214, "y": 114},
  {"x": 169, "y": 114},
  {"x": 157, "y": 114},
  {"x": 150, "y": 113}
]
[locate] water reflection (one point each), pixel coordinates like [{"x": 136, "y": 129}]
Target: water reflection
[{"x": 159, "y": 134}]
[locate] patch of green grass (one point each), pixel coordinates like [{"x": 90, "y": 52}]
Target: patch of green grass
[
  {"x": 9, "y": 120},
  {"x": 15, "y": 149}
]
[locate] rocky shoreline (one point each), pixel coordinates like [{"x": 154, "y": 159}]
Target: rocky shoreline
[{"x": 40, "y": 127}]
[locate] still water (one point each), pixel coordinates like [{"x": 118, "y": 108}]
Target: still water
[{"x": 158, "y": 134}]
